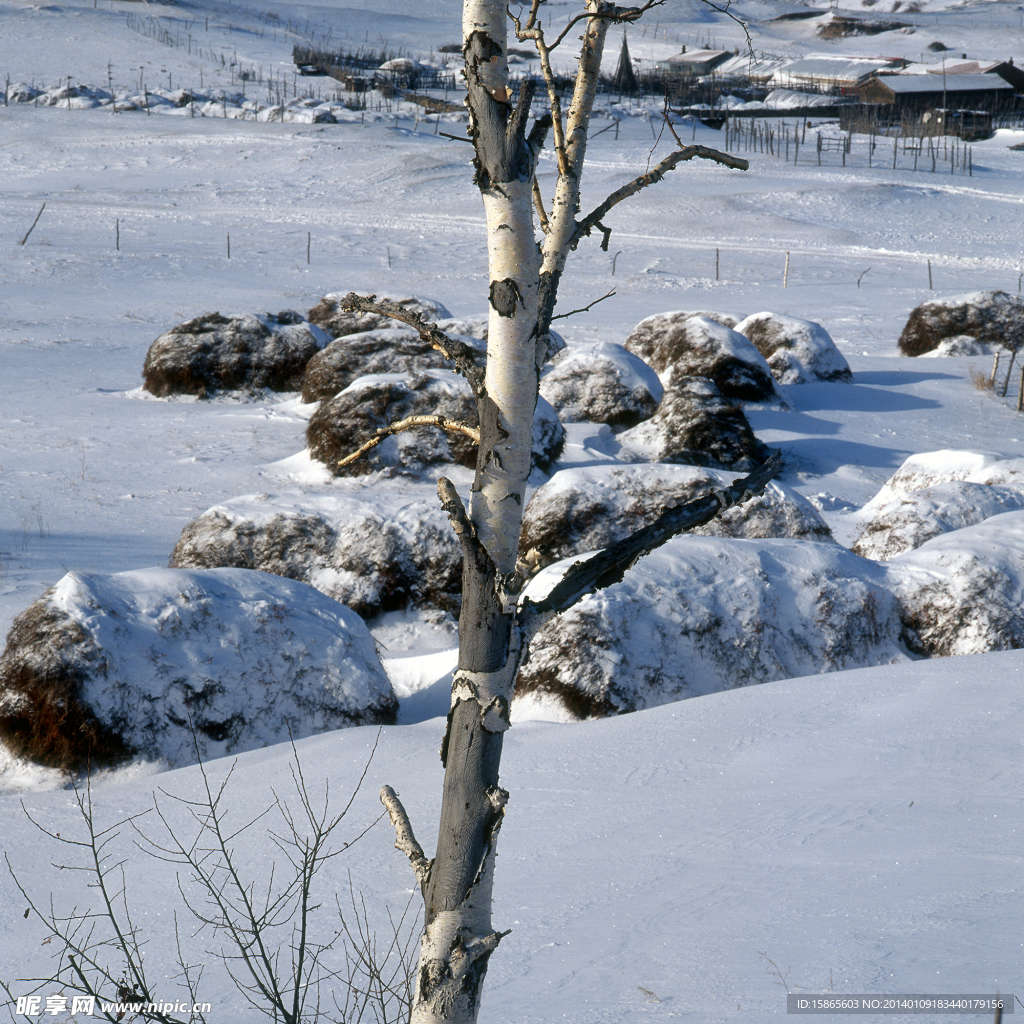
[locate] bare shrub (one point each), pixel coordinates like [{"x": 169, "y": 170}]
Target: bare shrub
[{"x": 266, "y": 934}]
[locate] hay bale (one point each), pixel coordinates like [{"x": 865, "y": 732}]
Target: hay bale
[
  {"x": 169, "y": 664},
  {"x": 696, "y": 426},
  {"x": 701, "y": 615},
  {"x": 601, "y": 383},
  {"x": 995, "y": 319},
  {"x": 797, "y": 351},
  {"x": 367, "y": 353},
  {"x": 329, "y": 315},
  {"x": 580, "y": 510},
  {"x": 214, "y": 352},
  {"x": 963, "y": 592},
  {"x": 371, "y": 558},
  {"x": 342, "y": 424}
]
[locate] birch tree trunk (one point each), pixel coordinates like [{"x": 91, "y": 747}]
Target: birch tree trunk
[{"x": 458, "y": 936}]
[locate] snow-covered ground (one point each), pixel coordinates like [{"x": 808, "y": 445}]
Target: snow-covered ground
[{"x": 860, "y": 830}]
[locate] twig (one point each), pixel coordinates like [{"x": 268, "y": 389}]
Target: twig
[
  {"x": 782, "y": 977},
  {"x": 592, "y": 220},
  {"x": 618, "y": 15},
  {"x": 34, "y": 223},
  {"x": 409, "y": 423},
  {"x": 404, "y": 838},
  {"x": 457, "y": 351},
  {"x": 584, "y": 309}
]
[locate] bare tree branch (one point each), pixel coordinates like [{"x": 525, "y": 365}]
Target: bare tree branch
[
  {"x": 584, "y": 309},
  {"x": 410, "y": 423},
  {"x": 457, "y": 351},
  {"x": 592, "y": 220},
  {"x": 608, "y": 13},
  {"x": 404, "y": 838},
  {"x": 607, "y": 567}
]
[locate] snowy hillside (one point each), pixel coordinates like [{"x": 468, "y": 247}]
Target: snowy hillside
[{"x": 852, "y": 832}]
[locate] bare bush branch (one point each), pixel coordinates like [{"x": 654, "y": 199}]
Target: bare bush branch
[{"x": 410, "y": 423}]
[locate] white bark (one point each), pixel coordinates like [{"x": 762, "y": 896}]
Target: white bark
[{"x": 511, "y": 379}]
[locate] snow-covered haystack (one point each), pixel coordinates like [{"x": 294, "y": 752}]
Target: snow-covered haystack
[
  {"x": 581, "y": 510},
  {"x": 697, "y": 346},
  {"x": 702, "y": 615},
  {"x": 343, "y": 423},
  {"x": 963, "y": 592},
  {"x": 371, "y": 558},
  {"x": 170, "y": 663},
  {"x": 327, "y": 313},
  {"x": 214, "y": 352},
  {"x": 994, "y": 319},
  {"x": 909, "y": 520},
  {"x": 601, "y": 383},
  {"x": 387, "y": 350},
  {"x": 695, "y": 425},
  {"x": 926, "y": 469},
  {"x": 797, "y": 350},
  {"x": 934, "y": 493}
]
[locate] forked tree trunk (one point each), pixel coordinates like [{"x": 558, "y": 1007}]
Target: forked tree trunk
[{"x": 458, "y": 936}]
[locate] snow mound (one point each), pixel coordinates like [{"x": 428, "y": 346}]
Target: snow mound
[
  {"x": 214, "y": 352},
  {"x": 993, "y": 319},
  {"x": 370, "y": 403},
  {"x": 585, "y": 509},
  {"x": 367, "y": 557},
  {"x": 328, "y": 314},
  {"x": 601, "y": 383},
  {"x": 694, "y": 425},
  {"x": 106, "y": 667},
  {"x": 908, "y": 521},
  {"x": 963, "y": 592},
  {"x": 797, "y": 350},
  {"x": 927, "y": 469},
  {"x": 387, "y": 350},
  {"x": 697, "y": 346},
  {"x": 702, "y": 615}
]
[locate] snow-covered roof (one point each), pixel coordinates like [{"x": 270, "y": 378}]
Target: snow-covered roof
[
  {"x": 757, "y": 67},
  {"x": 952, "y": 66},
  {"x": 696, "y": 56},
  {"x": 827, "y": 66},
  {"x": 906, "y": 84}
]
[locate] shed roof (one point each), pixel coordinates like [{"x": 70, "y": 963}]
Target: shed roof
[
  {"x": 851, "y": 69},
  {"x": 908, "y": 84},
  {"x": 697, "y": 56}
]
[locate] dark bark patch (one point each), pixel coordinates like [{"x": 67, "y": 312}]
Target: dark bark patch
[{"x": 504, "y": 296}]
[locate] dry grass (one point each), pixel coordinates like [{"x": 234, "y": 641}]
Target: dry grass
[{"x": 982, "y": 381}]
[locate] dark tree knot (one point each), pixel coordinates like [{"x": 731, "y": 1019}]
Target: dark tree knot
[{"x": 504, "y": 296}]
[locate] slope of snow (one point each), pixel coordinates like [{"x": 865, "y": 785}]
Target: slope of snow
[{"x": 859, "y": 829}]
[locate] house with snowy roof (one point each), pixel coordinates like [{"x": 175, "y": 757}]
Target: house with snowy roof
[
  {"x": 694, "y": 63},
  {"x": 917, "y": 93}
]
